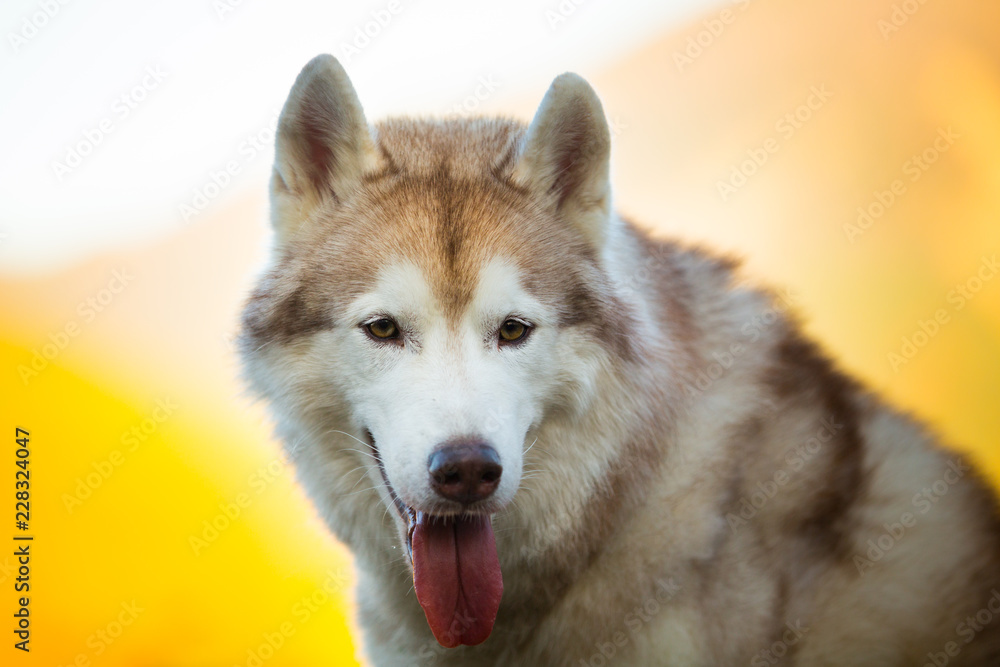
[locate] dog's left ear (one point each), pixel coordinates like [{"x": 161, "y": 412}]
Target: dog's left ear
[
  {"x": 566, "y": 156},
  {"x": 323, "y": 146}
]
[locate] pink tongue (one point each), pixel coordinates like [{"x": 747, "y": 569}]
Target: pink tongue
[{"x": 456, "y": 575}]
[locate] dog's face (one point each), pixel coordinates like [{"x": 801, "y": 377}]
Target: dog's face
[
  {"x": 432, "y": 286},
  {"x": 439, "y": 374},
  {"x": 435, "y": 359}
]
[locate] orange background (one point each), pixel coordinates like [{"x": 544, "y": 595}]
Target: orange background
[{"x": 271, "y": 576}]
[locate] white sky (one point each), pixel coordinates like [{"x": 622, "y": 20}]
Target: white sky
[{"x": 225, "y": 67}]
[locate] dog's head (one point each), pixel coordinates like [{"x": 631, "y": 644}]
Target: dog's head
[{"x": 432, "y": 284}]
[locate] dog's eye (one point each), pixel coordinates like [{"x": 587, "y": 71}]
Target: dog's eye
[
  {"x": 512, "y": 331},
  {"x": 383, "y": 329}
]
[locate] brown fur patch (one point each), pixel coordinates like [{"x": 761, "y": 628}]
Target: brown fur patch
[
  {"x": 801, "y": 374},
  {"x": 273, "y": 317},
  {"x": 437, "y": 202}
]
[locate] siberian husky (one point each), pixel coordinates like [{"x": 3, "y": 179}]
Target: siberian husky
[{"x": 550, "y": 439}]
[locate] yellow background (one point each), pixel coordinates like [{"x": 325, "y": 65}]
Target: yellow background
[{"x": 679, "y": 130}]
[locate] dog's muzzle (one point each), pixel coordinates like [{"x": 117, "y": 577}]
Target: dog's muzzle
[{"x": 456, "y": 571}]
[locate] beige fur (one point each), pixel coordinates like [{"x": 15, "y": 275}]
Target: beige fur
[{"x": 658, "y": 399}]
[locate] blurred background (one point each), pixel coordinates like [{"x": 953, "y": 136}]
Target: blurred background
[{"x": 848, "y": 150}]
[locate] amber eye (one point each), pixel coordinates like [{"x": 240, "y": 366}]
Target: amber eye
[
  {"x": 512, "y": 331},
  {"x": 384, "y": 329}
]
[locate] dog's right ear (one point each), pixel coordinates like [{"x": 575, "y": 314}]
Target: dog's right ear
[
  {"x": 566, "y": 156},
  {"x": 323, "y": 145}
]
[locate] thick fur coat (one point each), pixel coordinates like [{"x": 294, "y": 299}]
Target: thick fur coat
[{"x": 687, "y": 480}]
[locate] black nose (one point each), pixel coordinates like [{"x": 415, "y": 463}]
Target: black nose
[{"x": 465, "y": 472}]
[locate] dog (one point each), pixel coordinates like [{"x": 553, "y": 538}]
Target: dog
[{"x": 549, "y": 439}]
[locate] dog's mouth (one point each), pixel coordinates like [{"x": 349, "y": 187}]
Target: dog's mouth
[{"x": 456, "y": 572}]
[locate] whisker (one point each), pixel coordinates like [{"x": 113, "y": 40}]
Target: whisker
[
  {"x": 368, "y": 454},
  {"x": 350, "y": 493},
  {"x": 333, "y": 430},
  {"x": 366, "y": 467}
]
